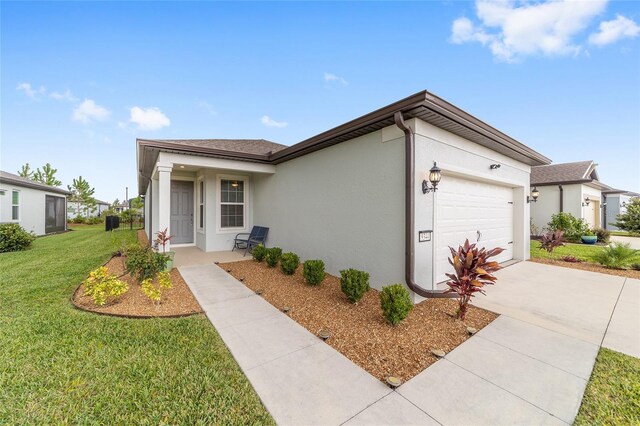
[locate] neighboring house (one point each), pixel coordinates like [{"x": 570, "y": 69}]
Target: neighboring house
[
  {"x": 567, "y": 187},
  {"x": 97, "y": 210},
  {"x": 34, "y": 206},
  {"x": 121, "y": 206},
  {"x": 351, "y": 196},
  {"x": 615, "y": 202}
]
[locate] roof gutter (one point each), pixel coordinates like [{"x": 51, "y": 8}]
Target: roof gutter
[{"x": 409, "y": 214}]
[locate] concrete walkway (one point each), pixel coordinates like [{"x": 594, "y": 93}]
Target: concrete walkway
[
  {"x": 530, "y": 366},
  {"x": 634, "y": 242}
]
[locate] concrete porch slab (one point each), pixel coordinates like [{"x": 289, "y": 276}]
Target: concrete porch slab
[{"x": 191, "y": 256}]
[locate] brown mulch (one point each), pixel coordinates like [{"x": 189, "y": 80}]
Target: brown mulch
[
  {"x": 142, "y": 237},
  {"x": 176, "y": 301},
  {"x": 587, "y": 266},
  {"x": 360, "y": 331}
]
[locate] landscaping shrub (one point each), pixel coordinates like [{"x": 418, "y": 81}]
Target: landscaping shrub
[
  {"x": 273, "y": 256},
  {"x": 396, "y": 303},
  {"x": 143, "y": 263},
  {"x": 289, "y": 263},
  {"x": 14, "y": 237},
  {"x": 603, "y": 235},
  {"x": 472, "y": 272},
  {"x": 630, "y": 220},
  {"x": 103, "y": 287},
  {"x": 95, "y": 220},
  {"x": 354, "y": 284},
  {"x": 313, "y": 271},
  {"x": 635, "y": 266},
  {"x": 258, "y": 253},
  {"x": 552, "y": 240},
  {"x": 571, "y": 259},
  {"x": 572, "y": 227},
  {"x": 616, "y": 256},
  {"x": 78, "y": 219},
  {"x": 154, "y": 291}
]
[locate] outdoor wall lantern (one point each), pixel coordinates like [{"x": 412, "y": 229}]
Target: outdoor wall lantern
[
  {"x": 586, "y": 201},
  {"x": 534, "y": 196},
  {"x": 435, "y": 174}
]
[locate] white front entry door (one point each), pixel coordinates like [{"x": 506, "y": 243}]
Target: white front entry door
[{"x": 478, "y": 211}]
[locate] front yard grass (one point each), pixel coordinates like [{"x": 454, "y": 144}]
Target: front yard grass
[
  {"x": 61, "y": 365},
  {"x": 612, "y": 396},
  {"x": 583, "y": 252}
]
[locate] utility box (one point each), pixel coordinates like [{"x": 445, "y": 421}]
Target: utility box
[{"x": 111, "y": 223}]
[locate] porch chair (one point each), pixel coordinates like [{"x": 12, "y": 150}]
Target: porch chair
[{"x": 257, "y": 236}]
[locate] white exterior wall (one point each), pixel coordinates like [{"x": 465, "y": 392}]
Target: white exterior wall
[
  {"x": 343, "y": 204},
  {"x": 573, "y": 197},
  {"x": 147, "y": 212},
  {"x": 594, "y": 196},
  {"x": 459, "y": 157},
  {"x": 32, "y": 207}
]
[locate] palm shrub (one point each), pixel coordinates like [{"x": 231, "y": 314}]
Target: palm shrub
[
  {"x": 630, "y": 219},
  {"x": 551, "y": 240},
  {"x": 572, "y": 227},
  {"x": 473, "y": 271},
  {"x": 616, "y": 256},
  {"x": 258, "y": 253},
  {"x": 396, "y": 303},
  {"x": 273, "y": 256},
  {"x": 354, "y": 284},
  {"x": 14, "y": 237},
  {"x": 313, "y": 271},
  {"x": 289, "y": 263},
  {"x": 103, "y": 287}
]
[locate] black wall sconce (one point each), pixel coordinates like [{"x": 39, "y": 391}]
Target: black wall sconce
[
  {"x": 587, "y": 201},
  {"x": 435, "y": 174},
  {"x": 494, "y": 166},
  {"x": 534, "y": 196}
]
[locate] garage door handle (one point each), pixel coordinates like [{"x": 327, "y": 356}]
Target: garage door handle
[{"x": 479, "y": 235}]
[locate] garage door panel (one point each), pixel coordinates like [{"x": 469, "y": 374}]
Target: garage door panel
[{"x": 465, "y": 207}]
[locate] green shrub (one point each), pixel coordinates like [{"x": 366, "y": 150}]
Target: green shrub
[
  {"x": 144, "y": 263},
  {"x": 635, "y": 266},
  {"x": 603, "y": 235},
  {"x": 273, "y": 256},
  {"x": 95, "y": 220},
  {"x": 572, "y": 227},
  {"x": 102, "y": 286},
  {"x": 313, "y": 271},
  {"x": 354, "y": 284},
  {"x": 13, "y": 237},
  {"x": 289, "y": 263},
  {"x": 617, "y": 256},
  {"x": 396, "y": 303},
  {"x": 258, "y": 253},
  {"x": 630, "y": 219},
  {"x": 78, "y": 219},
  {"x": 154, "y": 291}
]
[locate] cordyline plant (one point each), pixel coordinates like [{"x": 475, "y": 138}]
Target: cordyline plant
[
  {"x": 162, "y": 238},
  {"x": 472, "y": 272},
  {"x": 552, "y": 240}
]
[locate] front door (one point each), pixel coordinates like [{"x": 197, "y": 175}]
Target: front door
[{"x": 181, "y": 212}]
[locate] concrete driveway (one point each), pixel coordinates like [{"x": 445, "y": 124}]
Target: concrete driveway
[{"x": 634, "y": 242}]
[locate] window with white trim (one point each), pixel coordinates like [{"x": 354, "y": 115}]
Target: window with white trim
[
  {"x": 201, "y": 204},
  {"x": 15, "y": 205},
  {"x": 232, "y": 203}
]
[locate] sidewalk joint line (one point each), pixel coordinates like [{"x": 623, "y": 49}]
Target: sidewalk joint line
[{"x": 613, "y": 311}]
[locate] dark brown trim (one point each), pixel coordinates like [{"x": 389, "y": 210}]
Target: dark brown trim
[
  {"x": 561, "y": 198},
  {"x": 564, "y": 182},
  {"x": 34, "y": 185},
  {"x": 409, "y": 215}
]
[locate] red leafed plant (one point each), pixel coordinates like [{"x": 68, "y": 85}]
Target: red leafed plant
[
  {"x": 552, "y": 240},
  {"x": 472, "y": 272},
  {"x": 162, "y": 238}
]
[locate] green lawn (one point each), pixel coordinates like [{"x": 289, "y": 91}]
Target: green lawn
[
  {"x": 612, "y": 396},
  {"x": 61, "y": 365},
  {"x": 581, "y": 251}
]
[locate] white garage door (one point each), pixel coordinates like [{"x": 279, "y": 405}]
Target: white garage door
[{"x": 478, "y": 211}]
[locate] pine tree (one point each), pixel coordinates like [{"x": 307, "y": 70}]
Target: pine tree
[{"x": 82, "y": 195}]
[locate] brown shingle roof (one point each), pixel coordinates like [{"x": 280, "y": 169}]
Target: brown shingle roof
[
  {"x": 558, "y": 173},
  {"x": 247, "y": 146},
  {"x": 20, "y": 181}
]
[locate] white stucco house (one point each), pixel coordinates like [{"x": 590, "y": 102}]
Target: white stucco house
[
  {"x": 35, "y": 206},
  {"x": 567, "y": 187},
  {"x": 73, "y": 210},
  {"x": 614, "y": 202},
  {"x": 352, "y": 195}
]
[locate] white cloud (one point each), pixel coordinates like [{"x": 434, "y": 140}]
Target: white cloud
[
  {"x": 30, "y": 91},
  {"x": 207, "y": 107},
  {"x": 149, "y": 118},
  {"x": 513, "y": 29},
  {"x": 66, "y": 96},
  {"x": 614, "y": 30},
  {"x": 88, "y": 111},
  {"x": 331, "y": 78},
  {"x": 269, "y": 122}
]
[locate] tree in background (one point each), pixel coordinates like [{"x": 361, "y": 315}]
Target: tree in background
[
  {"x": 137, "y": 203},
  {"x": 630, "y": 220},
  {"x": 47, "y": 175},
  {"x": 82, "y": 195},
  {"x": 115, "y": 204}
]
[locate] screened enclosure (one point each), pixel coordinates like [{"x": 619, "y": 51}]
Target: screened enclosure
[{"x": 55, "y": 214}]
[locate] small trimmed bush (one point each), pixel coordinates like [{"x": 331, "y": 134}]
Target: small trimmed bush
[
  {"x": 103, "y": 287},
  {"x": 313, "y": 271},
  {"x": 354, "y": 284},
  {"x": 258, "y": 253},
  {"x": 144, "y": 263},
  {"x": 14, "y": 237},
  {"x": 617, "y": 256},
  {"x": 396, "y": 304},
  {"x": 289, "y": 263},
  {"x": 78, "y": 219},
  {"x": 635, "y": 266},
  {"x": 604, "y": 235},
  {"x": 572, "y": 227},
  {"x": 273, "y": 256},
  {"x": 153, "y": 291}
]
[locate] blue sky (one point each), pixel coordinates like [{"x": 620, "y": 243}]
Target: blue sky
[{"x": 80, "y": 81}]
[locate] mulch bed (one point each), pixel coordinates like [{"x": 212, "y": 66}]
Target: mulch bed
[
  {"x": 142, "y": 237},
  {"x": 360, "y": 332},
  {"x": 176, "y": 301},
  {"x": 587, "y": 266}
]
